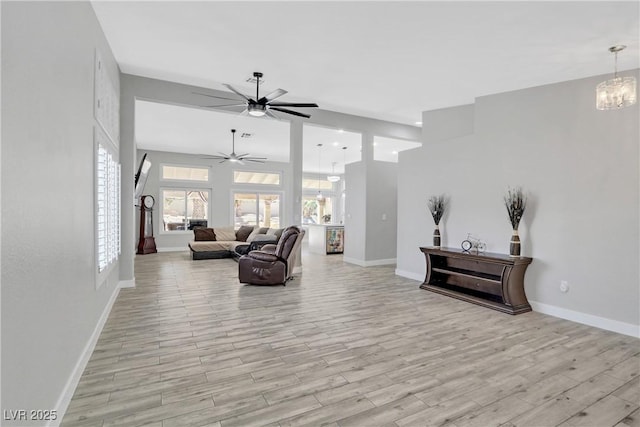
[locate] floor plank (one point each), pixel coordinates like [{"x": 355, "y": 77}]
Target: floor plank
[{"x": 341, "y": 345}]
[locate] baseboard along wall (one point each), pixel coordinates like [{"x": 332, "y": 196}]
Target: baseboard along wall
[
  {"x": 67, "y": 393},
  {"x": 563, "y": 313}
]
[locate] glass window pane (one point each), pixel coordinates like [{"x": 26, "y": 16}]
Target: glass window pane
[
  {"x": 245, "y": 206},
  {"x": 185, "y": 173},
  {"x": 174, "y": 210},
  {"x": 310, "y": 183},
  {"x": 197, "y": 207},
  {"x": 262, "y": 178},
  {"x": 315, "y": 211},
  {"x": 269, "y": 209}
]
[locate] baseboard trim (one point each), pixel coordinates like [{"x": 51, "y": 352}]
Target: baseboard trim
[
  {"x": 410, "y": 275},
  {"x": 587, "y": 319},
  {"x": 372, "y": 263},
  {"x": 173, "y": 249},
  {"x": 123, "y": 284},
  {"x": 70, "y": 387}
]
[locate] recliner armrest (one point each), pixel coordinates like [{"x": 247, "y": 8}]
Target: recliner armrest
[
  {"x": 263, "y": 256},
  {"x": 270, "y": 248}
]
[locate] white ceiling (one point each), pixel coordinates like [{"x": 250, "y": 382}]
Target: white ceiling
[
  {"x": 173, "y": 128},
  {"x": 385, "y": 59}
]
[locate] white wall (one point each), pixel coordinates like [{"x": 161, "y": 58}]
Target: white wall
[
  {"x": 355, "y": 202},
  {"x": 50, "y": 304},
  {"x": 220, "y": 187},
  {"x": 382, "y": 206},
  {"x": 580, "y": 169}
]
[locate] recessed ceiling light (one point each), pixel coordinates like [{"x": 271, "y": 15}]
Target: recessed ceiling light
[
  {"x": 336, "y": 143},
  {"x": 375, "y": 144},
  {"x": 394, "y": 152},
  {"x": 340, "y": 130},
  {"x": 418, "y": 123}
]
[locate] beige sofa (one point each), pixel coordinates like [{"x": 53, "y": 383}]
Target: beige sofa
[{"x": 230, "y": 242}]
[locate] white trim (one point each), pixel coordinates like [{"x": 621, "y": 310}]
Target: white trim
[
  {"x": 587, "y": 319},
  {"x": 372, "y": 263},
  {"x": 70, "y": 387},
  {"x": 173, "y": 249},
  {"x": 125, "y": 284},
  {"x": 410, "y": 275}
]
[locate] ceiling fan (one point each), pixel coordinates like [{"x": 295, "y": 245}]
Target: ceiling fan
[
  {"x": 259, "y": 107},
  {"x": 236, "y": 158}
]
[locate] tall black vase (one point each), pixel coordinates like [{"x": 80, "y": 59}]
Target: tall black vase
[
  {"x": 436, "y": 236},
  {"x": 514, "y": 247}
]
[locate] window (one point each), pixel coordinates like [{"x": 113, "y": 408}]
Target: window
[
  {"x": 315, "y": 211},
  {"x": 184, "y": 173},
  {"x": 107, "y": 208},
  {"x": 184, "y": 209},
  {"x": 312, "y": 184},
  {"x": 257, "y": 209},
  {"x": 261, "y": 178}
]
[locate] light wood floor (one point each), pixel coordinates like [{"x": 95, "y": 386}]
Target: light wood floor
[{"x": 342, "y": 346}]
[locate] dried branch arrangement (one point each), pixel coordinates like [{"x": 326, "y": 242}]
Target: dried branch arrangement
[
  {"x": 515, "y": 201},
  {"x": 437, "y": 205}
]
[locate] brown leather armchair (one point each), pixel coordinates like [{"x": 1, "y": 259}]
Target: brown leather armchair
[{"x": 273, "y": 264}]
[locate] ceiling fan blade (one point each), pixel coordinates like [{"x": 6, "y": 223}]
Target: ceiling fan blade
[
  {"x": 271, "y": 96},
  {"x": 214, "y": 157},
  {"x": 222, "y": 161},
  {"x": 240, "y": 162},
  {"x": 215, "y": 96},
  {"x": 294, "y": 104},
  {"x": 237, "y": 92},
  {"x": 225, "y": 105},
  {"x": 272, "y": 115},
  {"x": 254, "y": 161},
  {"x": 242, "y": 155},
  {"x": 252, "y": 157},
  {"x": 295, "y": 113}
]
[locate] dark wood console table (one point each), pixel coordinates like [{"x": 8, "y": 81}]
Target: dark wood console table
[{"x": 492, "y": 280}]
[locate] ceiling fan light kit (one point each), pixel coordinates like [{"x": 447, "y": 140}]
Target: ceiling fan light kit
[
  {"x": 262, "y": 106},
  {"x": 618, "y": 92}
]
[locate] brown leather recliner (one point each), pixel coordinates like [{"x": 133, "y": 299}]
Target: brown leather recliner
[{"x": 273, "y": 264}]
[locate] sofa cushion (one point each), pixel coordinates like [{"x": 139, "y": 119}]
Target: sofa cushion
[
  {"x": 255, "y": 232},
  {"x": 227, "y": 234},
  {"x": 275, "y": 232},
  {"x": 243, "y": 232},
  {"x": 204, "y": 234},
  {"x": 210, "y": 246}
]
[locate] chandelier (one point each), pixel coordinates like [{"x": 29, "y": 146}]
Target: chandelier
[{"x": 618, "y": 92}]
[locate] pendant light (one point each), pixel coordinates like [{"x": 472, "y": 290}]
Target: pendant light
[
  {"x": 320, "y": 197},
  {"x": 333, "y": 177},
  {"x": 618, "y": 92}
]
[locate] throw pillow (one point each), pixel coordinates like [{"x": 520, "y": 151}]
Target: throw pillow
[
  {"x": 255, "y": 232},
  {"x": 275, "y": 232},
  {"x": 243, "y": 232},
  {"x": 203, "y": 234},
  {"x": 225, "y": 234}
]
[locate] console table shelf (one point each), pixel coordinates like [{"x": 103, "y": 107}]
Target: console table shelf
[{"x": 492, "y": 280}]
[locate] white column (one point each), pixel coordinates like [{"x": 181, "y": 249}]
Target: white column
[{"x": 295, "y": 158}]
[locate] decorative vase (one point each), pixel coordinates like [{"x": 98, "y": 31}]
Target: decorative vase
[
  {"x": 436, "y": 236},
  {"x": 514, "y": 247}
]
